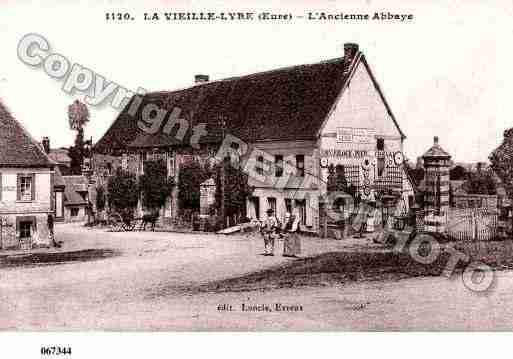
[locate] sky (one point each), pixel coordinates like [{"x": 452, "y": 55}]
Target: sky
[{"x": 447, "y": 73}]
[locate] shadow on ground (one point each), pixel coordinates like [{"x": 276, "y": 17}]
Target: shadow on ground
[{"x": 53, "y": 258}]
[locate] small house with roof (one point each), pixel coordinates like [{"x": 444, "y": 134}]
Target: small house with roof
[
  {"x": 76, "y": 198},
  {"x": 26, "y": 186}
]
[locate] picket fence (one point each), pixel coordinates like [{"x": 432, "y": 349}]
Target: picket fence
[{"x": 466, "y": 224}]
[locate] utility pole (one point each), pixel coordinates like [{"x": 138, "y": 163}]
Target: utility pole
[
  {"x": 87, "y": 172},
  {"x": 1, "y": 232},
  {"x": 222, "y": 123}
]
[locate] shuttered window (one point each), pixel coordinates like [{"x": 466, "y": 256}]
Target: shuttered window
[{"x": 26, "y": 187}]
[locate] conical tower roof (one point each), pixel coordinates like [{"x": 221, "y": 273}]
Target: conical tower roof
[{"x": 436, "y": 151}]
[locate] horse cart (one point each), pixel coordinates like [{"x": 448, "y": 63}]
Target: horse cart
[{"x": 127, "y": 223}]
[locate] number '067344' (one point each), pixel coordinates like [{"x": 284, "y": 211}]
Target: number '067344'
[{"x": 55, "y": 350}]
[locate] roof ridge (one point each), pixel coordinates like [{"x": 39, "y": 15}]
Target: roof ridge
[
  {"x": 296, "y": 97},
  {"x": 235, "y": 78}
]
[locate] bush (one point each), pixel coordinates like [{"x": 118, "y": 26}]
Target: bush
[
  {"x": 155, "y": 185},
  {"x": 123, "y": 191},
  {"x": 189, "y": 180}
]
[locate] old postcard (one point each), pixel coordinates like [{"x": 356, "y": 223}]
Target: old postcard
[{"x": 293, "y": 166}]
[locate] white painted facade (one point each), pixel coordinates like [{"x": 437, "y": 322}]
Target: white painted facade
[
  {"x": 14, "y": 211},
  {"x": 360, "y": 114}
]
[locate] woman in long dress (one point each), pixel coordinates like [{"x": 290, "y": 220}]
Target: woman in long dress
[{"x": 291, "y": 241}]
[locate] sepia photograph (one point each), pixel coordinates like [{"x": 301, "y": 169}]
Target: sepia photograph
[{"x": 184, "y": 166}]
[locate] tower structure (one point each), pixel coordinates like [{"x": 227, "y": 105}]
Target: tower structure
[{"x": 436, "y": 199}]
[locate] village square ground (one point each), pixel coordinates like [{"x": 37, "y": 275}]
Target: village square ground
[{"x": 142, "y": 284}]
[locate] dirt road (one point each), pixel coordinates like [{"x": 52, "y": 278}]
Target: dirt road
[{"x": 135, "y": 291}]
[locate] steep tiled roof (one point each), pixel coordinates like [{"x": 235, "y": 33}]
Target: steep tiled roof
[
  {"x": 74, "y": 186},
  {"x": 284, "y": 104},
  {"x": 17, "y": 148}
]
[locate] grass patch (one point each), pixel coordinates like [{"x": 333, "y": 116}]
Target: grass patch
[
  {"x": 345, "y": 267},
  {"x": 53, "y": 258}
]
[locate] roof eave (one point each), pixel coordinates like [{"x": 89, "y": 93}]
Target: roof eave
[{"x": 23, "y": 165}]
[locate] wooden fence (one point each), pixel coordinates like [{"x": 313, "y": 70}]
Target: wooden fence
[
  {"x": 479, "y": 224},
  {"x": 466, "y": 224}
]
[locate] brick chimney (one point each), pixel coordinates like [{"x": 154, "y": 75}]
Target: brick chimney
[
  {"x": 199, "y": 79},
  {"x": 435, "y": 140},
  {"x": 46, "y": 144},
  {"x": 350, "y": 51}
]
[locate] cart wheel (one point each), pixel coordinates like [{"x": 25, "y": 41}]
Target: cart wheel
[{"x": 115, "y": 222}]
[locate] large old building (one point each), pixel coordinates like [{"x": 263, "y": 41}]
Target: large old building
[
  {"x": 26, "y": 176},
  {"x": 288, "y": 127}
]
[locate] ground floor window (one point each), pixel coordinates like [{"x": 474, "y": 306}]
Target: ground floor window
[
  {"x": 25, "y": 229},
  {"x": 255, "y": 202},
  {"x": 301, "y": 208},
  {"x": 288, "y": 205},
  {"x": 271, "y": 204},
  {"x": 74, "y": 212}
]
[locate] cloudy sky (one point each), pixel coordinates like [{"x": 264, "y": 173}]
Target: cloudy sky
[{"x": 447, "y": 73}]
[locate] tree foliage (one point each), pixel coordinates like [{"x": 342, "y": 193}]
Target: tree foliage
[
  {"x": 480, "y": 182},
  {"x": 458, "y": 173},
  {"x": 76, "y": 153},
  {"x": 236, "y": 190},
  {"x": 190, "y": 177},
  {"x": 502, "y": 162},
  {"x": 78, "y": 117},
  {"x": 155, "y": 185},
  {"x": 123, "y": 191}
]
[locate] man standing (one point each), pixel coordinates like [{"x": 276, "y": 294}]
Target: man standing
[
  {"x": 49, "y": 222},
  {"x": 269, "y": 228}
]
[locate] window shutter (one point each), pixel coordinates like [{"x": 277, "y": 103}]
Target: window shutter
[
  {"x": 18, "y": 187},
  {"x": 309, "y": 166},
  {"x": 309, "y": 213},
  {"x": 1, "y": 187},
  {"x": 33, "y": 186}
]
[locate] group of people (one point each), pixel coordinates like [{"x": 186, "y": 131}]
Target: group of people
[{"x": 272, "y": 230}]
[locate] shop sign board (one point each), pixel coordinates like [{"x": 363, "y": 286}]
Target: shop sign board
[{"x": 356, "y": 135}]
